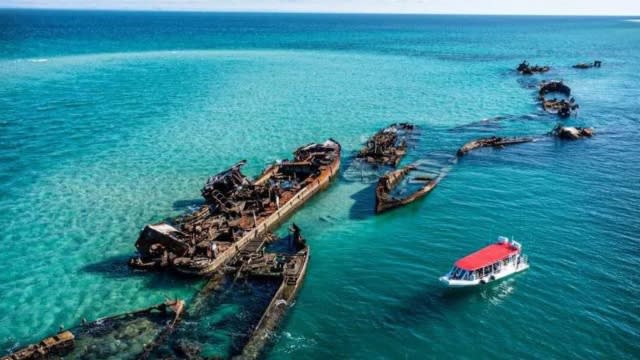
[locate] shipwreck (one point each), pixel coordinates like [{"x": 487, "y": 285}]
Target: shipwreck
[
  {"x": 595, "y": 64},
  {"x": 237, "y": 211},
  {"x": 290, "y": 270},
  {"x": 572, "y": 133},
  {"x": 278, "y": 264},
  {"x": 390, "y": 195},
  {"x": 136, "y": 333},
  {"x": 493, "y": 141},
  {"x": 525, "y": 69},
  {"x": 563, "y": 107},
  {"x": 388, "y": 146}
]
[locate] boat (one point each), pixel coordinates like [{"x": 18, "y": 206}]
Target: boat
[
  {"x": 595, "y": 64},
  {"x": 491, "y": 263},
  {"x": 554, "y": 86},
  {"x": 563, "y": 106},
  {"x": 386, "y": 196},
  {"x": 493, "y": 141},
  {"x": 291, "y": 269},
  {"x": 571, "y": 132},
  {"x": 137, "y": 333},
  {"x": 237, "y": 211},
  {"x": 388, "y": 146},
  {"x": 525, "y": 69},
  {"x": 56, "y": 345}
]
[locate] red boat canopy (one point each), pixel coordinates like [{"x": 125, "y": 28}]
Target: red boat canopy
[{"x": 486, "y": 256}]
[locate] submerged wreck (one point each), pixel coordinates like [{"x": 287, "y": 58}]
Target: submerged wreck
[
  {"x": 562, "y": 107},
  {"x": 290, "y": 269},
  {"x": 136, "y": 333},
  {"x": 525, "y": 69},
  {"x": 387, "y": 146},
  {"x": 572, "y": 133},
  {"x": 494, "y": 141},
  {"x": 595, "y": 64},
  {"x": 279, "y": 273},
  {"x": 386, "y": 199},
  {"x": 237, "y": 211}
]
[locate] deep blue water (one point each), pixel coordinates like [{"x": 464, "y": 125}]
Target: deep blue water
[{"x": 110, "y": 120}]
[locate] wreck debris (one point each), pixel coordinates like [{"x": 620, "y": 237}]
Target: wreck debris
[
  {"x": 561, "y": 107},
  {"x": 291, "y": 269},
  {"x": 525, "y": 69},
  {"x": 387, "y": 146},
  {"x": 572, "y": 133},
  {"x": 148, "y": 326},
  {"x": 387, "y": 183},
  {"x": 237, "y": 211},
  {"x": 59, "y": 344},
  {"x": 595, "y": 64},
  {"x": 494, "y": 141},
  {"x": 554, "y": 86}
]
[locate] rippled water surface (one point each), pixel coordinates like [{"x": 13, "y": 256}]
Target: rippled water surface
[{"x": 109, "y": 121}]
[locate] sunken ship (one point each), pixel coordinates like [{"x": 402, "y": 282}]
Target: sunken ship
[{"x": 237, "y": 210}]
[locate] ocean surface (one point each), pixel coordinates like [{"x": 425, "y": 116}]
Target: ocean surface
[{"x": 112, "y": 120}]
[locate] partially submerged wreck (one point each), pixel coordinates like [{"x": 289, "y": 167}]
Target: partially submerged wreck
[
  {"x": 595, "y": 64},
  {"x": 554, "y": 86},
  {"x": 572, "y": 133},
  {"x": 493, "y": 141},
  {"x": 525, "y": 69},
  {"x": 238, "y": 210},
  {"x": 562, "y": 107},
  {"x": 387, "y": 146},
  {"x": 386, "y": 199},
  {"x": 137, "y": 333},
  {"x": 291, "y": 269},
  {"x": 57, "y": 345},
  {"x": 263, "y": 283}
]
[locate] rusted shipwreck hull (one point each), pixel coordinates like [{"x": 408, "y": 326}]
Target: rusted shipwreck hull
[
  {"x": 561, "y": 107},
  {"x": 387, "y": 146},
  {"x": 139, "y": 331},
  {"x": 595, "y": 64},
  {"x": 387, "y": 183},
  {"x": 292, "y": 270},
  {"x": 56, "y": 345},
  {"x": 572, "y": 133},
  {"x": 525, "y": 69},
  {"x": 494, "y": 141},
  {"x": 557, "y": 86},
  {"x": 237, "y": 211}
]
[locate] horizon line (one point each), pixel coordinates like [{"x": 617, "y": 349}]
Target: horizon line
[{"x": 276, "y": 11}]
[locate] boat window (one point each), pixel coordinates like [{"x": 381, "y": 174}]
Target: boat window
[{"x": 487, "y": 270}]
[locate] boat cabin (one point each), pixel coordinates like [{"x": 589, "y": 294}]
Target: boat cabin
[{"x": 487, "y": 264}]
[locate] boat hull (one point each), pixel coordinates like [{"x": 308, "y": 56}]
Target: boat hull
[
  {"x": 322, "y": 182},
  {"x": 451, "y": 283}
]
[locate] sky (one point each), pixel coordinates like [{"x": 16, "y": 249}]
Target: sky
[{"x": 511, "y": 7}]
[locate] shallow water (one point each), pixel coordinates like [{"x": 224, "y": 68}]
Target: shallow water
[{"x": 109, "y": 121}]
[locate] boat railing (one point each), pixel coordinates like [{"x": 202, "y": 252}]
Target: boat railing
[{"x": 525, "y": 259}]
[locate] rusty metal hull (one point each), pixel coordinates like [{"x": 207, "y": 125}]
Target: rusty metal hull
[
  {"x": 277, "y": 309},
  {"x": 322, "y": 182},
  {"x": 389, "y": 181},
  {"x": 493, "y": 141}
]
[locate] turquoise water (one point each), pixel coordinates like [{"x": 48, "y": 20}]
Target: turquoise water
[{"x": 109, "y": 121}]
